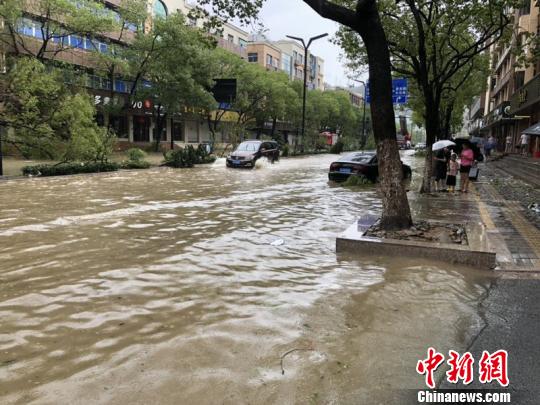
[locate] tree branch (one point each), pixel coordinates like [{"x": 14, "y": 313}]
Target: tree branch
[{"x": 335, "y": 12}]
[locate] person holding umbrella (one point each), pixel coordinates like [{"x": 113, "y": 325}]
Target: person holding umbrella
[{"x": 440, "y": 160}]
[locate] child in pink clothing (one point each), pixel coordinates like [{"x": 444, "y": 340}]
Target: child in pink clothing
[{"x": 453, "y": 167}]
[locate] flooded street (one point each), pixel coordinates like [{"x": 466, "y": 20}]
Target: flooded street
[{"x": 188, "y": 286}]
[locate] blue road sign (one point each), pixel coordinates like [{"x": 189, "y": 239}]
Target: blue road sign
[{"x": 400, "y": 91}]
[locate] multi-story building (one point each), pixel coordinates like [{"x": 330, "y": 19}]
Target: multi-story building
[
  {"x": 264, "y": 53},
  {"x": 511, "y": 104},
  {"x": 135, "y": 123},
  {"x": 296, "y": 53},
  {"x": 293, "y": 51},
  {"x": 319, "y": 76}
]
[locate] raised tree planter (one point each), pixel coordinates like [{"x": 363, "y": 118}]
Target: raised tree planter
[{"x": 472, "y": 252}]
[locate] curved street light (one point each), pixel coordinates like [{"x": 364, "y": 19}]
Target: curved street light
[{"x": 306, "y": 48}]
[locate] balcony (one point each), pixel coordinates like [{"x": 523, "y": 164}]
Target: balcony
[
  {"x": 232, "y": 47},
  {"x": 502, "y": 82},
  {"x": 526, "y": 96}
]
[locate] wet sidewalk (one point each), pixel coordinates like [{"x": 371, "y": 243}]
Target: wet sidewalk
[{"x": 507, "y": 230}]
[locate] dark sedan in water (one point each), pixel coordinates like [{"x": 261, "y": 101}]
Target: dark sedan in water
[
  {"x": 248, "y": 152},
  {"x": 359, "y": 164}
]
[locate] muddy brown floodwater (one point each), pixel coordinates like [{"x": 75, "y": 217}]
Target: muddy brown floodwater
[{"x": 187, "y": 287}]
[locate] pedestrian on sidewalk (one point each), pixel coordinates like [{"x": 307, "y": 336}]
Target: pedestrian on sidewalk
[
  {"x": 440, "y": 169},
  {"x": 466, "y": 163},
  {"x": 453, "y": 168},
  {"x": 489, "y": 146},
  {"x": 525, "y": 144},
  {"x": 508, "y": 144}
]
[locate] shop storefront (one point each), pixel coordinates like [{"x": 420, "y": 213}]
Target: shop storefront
[{"x": 525, "y": 107}]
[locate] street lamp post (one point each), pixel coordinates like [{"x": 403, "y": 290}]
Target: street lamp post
[
  {"x": 306, "y": 48},
  {"x": 363, "y": 141}
]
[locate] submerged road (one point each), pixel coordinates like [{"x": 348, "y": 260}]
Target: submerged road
[{"x": 209, "y": 285}]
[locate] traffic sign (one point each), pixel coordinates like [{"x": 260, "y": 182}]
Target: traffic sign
[{"x": 400, "y": 91}]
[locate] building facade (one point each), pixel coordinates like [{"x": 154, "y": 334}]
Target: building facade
[
  {"x": 265, "y": 54},
  {"x": 511, "y": 103},
  {"x": 135, "y": 123}
]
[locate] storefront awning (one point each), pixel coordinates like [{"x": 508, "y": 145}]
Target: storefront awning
[{"x": 534, "y": 130}]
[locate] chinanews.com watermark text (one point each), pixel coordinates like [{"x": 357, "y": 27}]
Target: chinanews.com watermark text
[
  {"x": 491, "y": 368},
  {"x": 461, "y": 397}
]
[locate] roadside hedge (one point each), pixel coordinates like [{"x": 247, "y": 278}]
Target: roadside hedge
[
  {"x": 135, "y": 164},
  {"x": 187, "y": 157},
  {"x": 63, "y": 169}
]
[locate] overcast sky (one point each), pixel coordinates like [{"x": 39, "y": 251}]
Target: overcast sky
[{"x": 294, "y": 17}]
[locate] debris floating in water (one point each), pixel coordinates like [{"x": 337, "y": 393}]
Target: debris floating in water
[{"x": 277, "y": 242}]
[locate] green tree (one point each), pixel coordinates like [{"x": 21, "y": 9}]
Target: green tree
[
  {"x": 361, "y": 16},
  {"x": 54, "y": 22},
  {"x": 48, "y": 117},
  {"x": 169, "y": 65},
  {"x": 437, "y": 44}
]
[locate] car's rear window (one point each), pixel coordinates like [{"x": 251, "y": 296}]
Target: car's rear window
[
  {"x": 357, "y": 158},
  {"x": 248, "y": 147}
]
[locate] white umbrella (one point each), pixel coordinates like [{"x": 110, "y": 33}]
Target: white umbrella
[{"x": 442, "y": 144}]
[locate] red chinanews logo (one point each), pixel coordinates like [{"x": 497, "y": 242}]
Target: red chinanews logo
[{"x": 491, "y": 367}]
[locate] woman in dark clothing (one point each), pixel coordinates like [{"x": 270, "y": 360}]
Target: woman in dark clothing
[{"x": 441, "y": 167}]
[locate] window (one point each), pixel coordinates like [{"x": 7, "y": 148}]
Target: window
[
  {"x": 286, "y": 63},
  {"x": 269, "y": 60},
  {"x": 131, "y": 26},
  {"x": 519, "y": 80},
  {"x": 525, "y": 8},
  {"x": 120, "y": 86},
  {"x": 103, "y": 47},
  {"x": 253, "y": 57},
  {"x": 120, "y": 125},
  {"x": 76, "y": 42},
  {"x": 242, "y": 43},
  {"x": 141, "y": 128},
  {"x": 230, "y": 38},
  {"x": 160, "y": 9},
  {"x": 178, "y": 131}
]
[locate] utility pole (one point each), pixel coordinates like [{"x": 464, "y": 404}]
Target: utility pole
[
  {"x": 306, "y": 48},
  {"x": 363, "y": 140}
]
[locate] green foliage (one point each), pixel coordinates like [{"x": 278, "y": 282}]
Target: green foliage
[
  {"x": 426, "y": 47},
  {"x": 81, "y": 17},
  {"x": 49, "y": 118},
  {"x": 135, "y": 159},
  {"x": 63, "y": 169},
  {"x": 174, "y": 58},
  {"x": 180, "y": 158},
  {"x": 337, "y": 148},
  {"x": 187, "y": 157},
  {"x": 135, "y": 164},
  {"x": 357, "y": 181},
  {"x": 135, "y": 154},
  {"x": 285, "y": 150}
]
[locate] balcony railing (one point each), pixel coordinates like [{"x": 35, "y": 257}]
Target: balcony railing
[
  {"x": 232, "y": 47},
  {"x": 527, "y": 95}
]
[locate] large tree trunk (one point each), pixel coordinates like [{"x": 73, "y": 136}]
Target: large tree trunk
[
  {"x": 365, "y": 20},
  {"x": 433, "y": 127},
  {"x": 396, "y": 212}
]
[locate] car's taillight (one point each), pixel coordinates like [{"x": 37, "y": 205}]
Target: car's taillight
[{"x": 334, "y": 166}]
